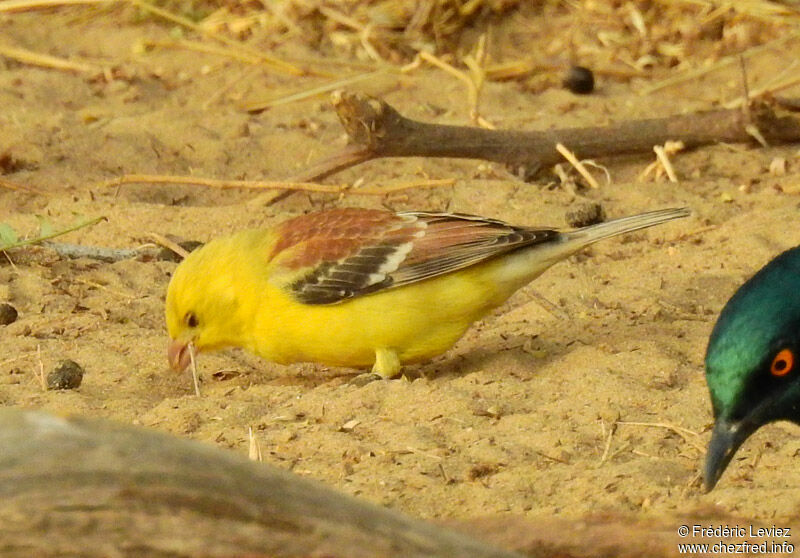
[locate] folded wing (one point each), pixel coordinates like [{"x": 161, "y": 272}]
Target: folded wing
[{"x": 332, "y": 256}]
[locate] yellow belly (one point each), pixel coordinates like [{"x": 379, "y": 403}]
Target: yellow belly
[{"x": 417, "y": 321}]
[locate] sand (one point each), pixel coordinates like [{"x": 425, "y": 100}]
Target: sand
[{"x": 593, "y": 400}]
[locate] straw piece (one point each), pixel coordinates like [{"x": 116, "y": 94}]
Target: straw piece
[
  {"x": 24, "y": 5},
  {"x": 734, "y": 58},
  {"x": 276, "y": 185},
  {"x": 261, "y": 104},
  {"x": 663, "y": 158},
  {"x": 573, "y": 160},
  {"x": 195, "y": 379},
  {"x": 26, "y": 56},
  {"x": 274, "y": 63}
]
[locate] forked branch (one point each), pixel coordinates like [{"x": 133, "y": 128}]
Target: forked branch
[{"x": 377, "y": 130}]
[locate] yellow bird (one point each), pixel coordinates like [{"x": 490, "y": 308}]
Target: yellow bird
[{"x": 362, "y": 287}]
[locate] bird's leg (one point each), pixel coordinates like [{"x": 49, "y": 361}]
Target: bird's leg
[
  {"x": 387, "y": 366},
  {"x": 387, "y": 363}
]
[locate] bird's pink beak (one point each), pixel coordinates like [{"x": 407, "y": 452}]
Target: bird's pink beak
[{"x": 178, "y": 354}]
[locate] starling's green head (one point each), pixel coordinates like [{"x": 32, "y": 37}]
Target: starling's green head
[{"x": 753, "y": 360}]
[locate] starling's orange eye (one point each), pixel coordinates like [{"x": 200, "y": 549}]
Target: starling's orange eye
[{"x": 783, "y": 363}]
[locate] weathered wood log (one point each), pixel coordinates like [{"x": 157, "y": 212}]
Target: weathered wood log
[{"x": 84, "y": 487}]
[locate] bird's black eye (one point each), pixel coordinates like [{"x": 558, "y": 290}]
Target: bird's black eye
[{"x": 191, "y": 319}]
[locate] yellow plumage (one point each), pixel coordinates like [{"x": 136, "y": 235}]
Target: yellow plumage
[{"x": 360, "y": 288}]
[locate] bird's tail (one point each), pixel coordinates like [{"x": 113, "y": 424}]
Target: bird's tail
[
  {"x": 591, "y": 234},
  {"x": 527, "y": 264}
]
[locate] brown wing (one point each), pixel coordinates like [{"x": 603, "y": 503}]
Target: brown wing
[{"x": 331, "y": 256}]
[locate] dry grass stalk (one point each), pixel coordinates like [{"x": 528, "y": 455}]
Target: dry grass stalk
[
  {"x": 689, "y": 436},
  {"x": 753, "y": 131},
  {"x": 663, "y": 158},
  {"x": 262, "y": 104},
  {"x": 30, "y": 57},
  {"x": 254, "y": 449},
  {"x": 40, "y": 375},
  {"x": 195, "y": 378},
  {"x": 26, "y": 5},
  {"x": 162, "y": 240},
  {"x": 199, "y": 46},
  {"x": 10, "y": 185},
  {"x": 776, "y": 84},
  {"x": 473, "y": 79},
  {"x": 268, "y": 61},
  {"x": 276, "y": 185},
  {"x": 658, "y": 167},
  {"x": 722, "y": 63},
  {"x": 573, "y": 160},
  {"x": 607, "y": 447}
]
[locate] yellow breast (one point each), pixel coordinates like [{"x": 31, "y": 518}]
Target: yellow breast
[{"x": 418, "y": 321}]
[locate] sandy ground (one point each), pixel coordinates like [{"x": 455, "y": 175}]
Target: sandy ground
[{"x": 517, "y": 417}]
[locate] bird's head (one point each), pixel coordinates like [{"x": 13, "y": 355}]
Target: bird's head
[
  {"x": 753, "y": 360},
  {"x": 203, "y": 302}
]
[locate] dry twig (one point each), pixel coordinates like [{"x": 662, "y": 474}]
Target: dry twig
[{"x": 378, "y": 130}]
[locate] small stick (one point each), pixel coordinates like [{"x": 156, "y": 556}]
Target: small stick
[
  {"x": 26, "y": 56},
  {"x": 349, "y": 156},
  {"x": 549, "y": 307},
  {"x": 681, "y": 431},
  {"x": 254, "y": 449},
  {"x": 168, "y": 244},
  {"x": 24, "y": 5},
  {"x": 551, "y": 457},
  {"x": 608, "y": 441},
  {"x": 276, "y": 185},
  {"x": 8, "y": 184},
  {"x": 573, "y": 160},
  {"x": 42, "y": 380},
  {"x": 778, "y": 83},
  {"x": 268, "y": 61},
  {"x": 96, "y": 285},
  {"x": 442, "y": 472},
  {"x": 753, "y": 130},
  {"x": 16, "y": 358},
  {"x": 74, "y": 251},
  {"x": 262, "y": 104},
  {"x": 243, "y": 76},
  {"x": 378, "y": 130},
  {"x": 195, "y": 379},
  {"x": 663, "y": 158}
]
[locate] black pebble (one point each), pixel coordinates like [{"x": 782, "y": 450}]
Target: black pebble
[
  {"x": 8, "y": 314},
  {"x": 67, "y": 375},
  {"x": 579, "y": 80},
  {"x": 586, "y": 214}
]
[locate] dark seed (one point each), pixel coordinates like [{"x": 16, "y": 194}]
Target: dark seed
[
  {"x": 586, "y": 214},
  {"x": 67, "y": 375},
  {"x": 579, "y": 80},
  {"x": 8, "y": 314}
]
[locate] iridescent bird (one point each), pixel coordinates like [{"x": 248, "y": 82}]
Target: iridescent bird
[{"x": 752, "y": 366}]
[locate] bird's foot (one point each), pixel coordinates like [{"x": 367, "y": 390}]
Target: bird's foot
[{"x": 366, "y": 378}]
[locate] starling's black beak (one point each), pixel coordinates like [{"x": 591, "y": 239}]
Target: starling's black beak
[{"x": 725, "y": 440}]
